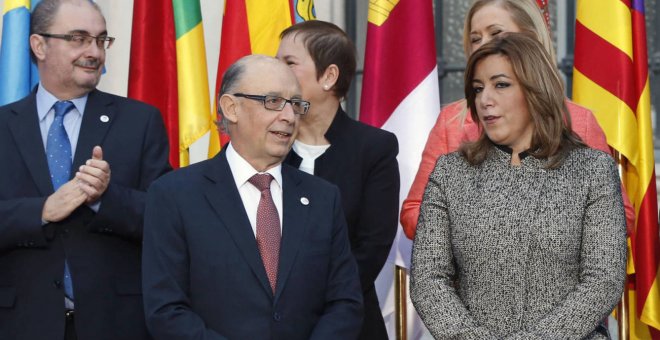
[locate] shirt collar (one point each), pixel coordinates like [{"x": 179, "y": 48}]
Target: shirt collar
[
  {"x": 46, "y": 100},
  {"x": 243, "y": 171}
]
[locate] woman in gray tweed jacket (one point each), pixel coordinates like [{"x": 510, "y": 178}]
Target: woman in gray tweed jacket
[{"x": 521, "y": 234}]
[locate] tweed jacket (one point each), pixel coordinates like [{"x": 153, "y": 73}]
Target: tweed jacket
[{"x": 519, "y": 252}]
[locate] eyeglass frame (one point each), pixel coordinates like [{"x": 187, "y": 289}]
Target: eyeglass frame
[
  {"x": 263, "y": 98},
  {"x": 69, "y": 37}
]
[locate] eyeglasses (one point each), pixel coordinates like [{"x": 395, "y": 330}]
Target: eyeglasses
[
  {"x": 276, "y": 103},
  {"x": 82, "y": 40}
]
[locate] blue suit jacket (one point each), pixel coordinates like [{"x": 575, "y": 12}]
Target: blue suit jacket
[
  {"x": 102, "y": 249},
  {"x": 204, "y": 278}
]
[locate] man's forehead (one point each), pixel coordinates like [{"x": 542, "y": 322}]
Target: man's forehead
[
  {"x": 79, "y": 16},
  {"x": 270, "y": 78}
]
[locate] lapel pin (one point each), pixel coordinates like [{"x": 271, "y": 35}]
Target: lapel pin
[
  {"x": 304, "y": 201},
  {"x": 104, "y": 118}
]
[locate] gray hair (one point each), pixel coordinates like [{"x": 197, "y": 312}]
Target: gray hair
[{"x": 230, "y": 81}]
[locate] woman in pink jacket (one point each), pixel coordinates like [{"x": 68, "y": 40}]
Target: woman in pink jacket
[{"x": 485, "y": 20}]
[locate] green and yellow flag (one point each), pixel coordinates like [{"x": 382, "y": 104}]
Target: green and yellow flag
[{"x": 194, "y": 106}]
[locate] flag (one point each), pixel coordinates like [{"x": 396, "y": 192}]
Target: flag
[
  {"x": 19, "y": 75},
  {"x": 400, "y": 93},
  {"x": 168, "y": 70},
  {"x": 194, "y": 104},
  {"x": 254, "y": 27},
  {"x": 152, "y": 70},
  {"x": 611, "y": 78}
]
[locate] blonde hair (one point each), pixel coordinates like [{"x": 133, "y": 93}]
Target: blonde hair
[
  {"x": 543, "y": 90},
  {"x": 525, "y": 14}
]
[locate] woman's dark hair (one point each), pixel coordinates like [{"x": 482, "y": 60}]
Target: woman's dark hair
[{"x": 327, "y": 44}]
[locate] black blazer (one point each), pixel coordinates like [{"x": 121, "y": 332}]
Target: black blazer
[
  {"x": 361, "y": 161},
  {"x": 102, "y": 249},
  {"x": 203, "y": 275}
]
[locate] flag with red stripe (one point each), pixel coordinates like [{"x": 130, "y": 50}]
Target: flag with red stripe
[
  {"x": 400, "y": 93},
  {"x": 152, "y": 70},
  {"x": 611, "y": 78},
  {"x": 168, "y": 70},
  {"x": 254, "y": 26}
]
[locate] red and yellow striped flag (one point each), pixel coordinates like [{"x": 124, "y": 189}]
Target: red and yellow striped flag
[
  {"x": 611, "y": 78},
  {"x": 168, "y": 70},
  {"x": 254, "y": 26}
]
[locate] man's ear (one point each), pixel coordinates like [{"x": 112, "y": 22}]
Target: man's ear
[
  {"x": 38, "y": 46},
  {"x": 229, "y": 106}
]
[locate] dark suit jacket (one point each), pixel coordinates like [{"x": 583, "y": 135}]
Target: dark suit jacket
[
  {"x": 203, "y": 275},
  {"x": 361, "y": 161},
  {"x": 102, "y": 249}
]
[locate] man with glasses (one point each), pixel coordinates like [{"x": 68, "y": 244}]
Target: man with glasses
[
  {"x": 76, "y": 165},
  {"x": 241, "y": 246}
]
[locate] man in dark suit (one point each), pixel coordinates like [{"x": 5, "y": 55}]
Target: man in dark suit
[
  {"x": 76, "y": 165},
  {"x": 208, "y": 265}
]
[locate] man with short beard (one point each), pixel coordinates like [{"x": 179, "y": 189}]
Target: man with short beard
[{"x": 76, "y": 165}]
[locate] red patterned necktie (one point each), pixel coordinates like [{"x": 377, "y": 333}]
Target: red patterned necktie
[{"x": 268, "y": 227}]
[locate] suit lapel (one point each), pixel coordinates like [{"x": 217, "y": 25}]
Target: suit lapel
[
  {"x": 99, "y": 115},
  {"x": 27, "y": 134},
  {"x": 294, "y": 223},
  {"x": 223, "y": 196}
]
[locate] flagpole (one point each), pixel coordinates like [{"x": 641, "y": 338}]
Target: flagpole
[
  {"x": 400, "y": 300},
  {"x": 622, "y": 307},
  {"x": 622, "y": 313}
]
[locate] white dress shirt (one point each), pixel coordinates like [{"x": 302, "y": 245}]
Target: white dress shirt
[{"x": 242, "y": 171}]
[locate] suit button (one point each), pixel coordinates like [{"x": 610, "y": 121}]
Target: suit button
[
  {"x": 57, "y": 284},
  {"x": 277, "y": 317},
  {"x": 31, "y": 243}
]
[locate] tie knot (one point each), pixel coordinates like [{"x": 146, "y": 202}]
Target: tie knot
[
  {"x": 62, "y": 107},
  {"x": 261, "y": 181}
]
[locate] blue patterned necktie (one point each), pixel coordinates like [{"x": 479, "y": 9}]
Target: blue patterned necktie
[
  {"x": 58, "y": 152},
  {"x": 58, "y": 147}
]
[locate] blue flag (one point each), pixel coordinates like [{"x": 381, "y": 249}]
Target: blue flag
[{"x": 17, "y": 73}]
